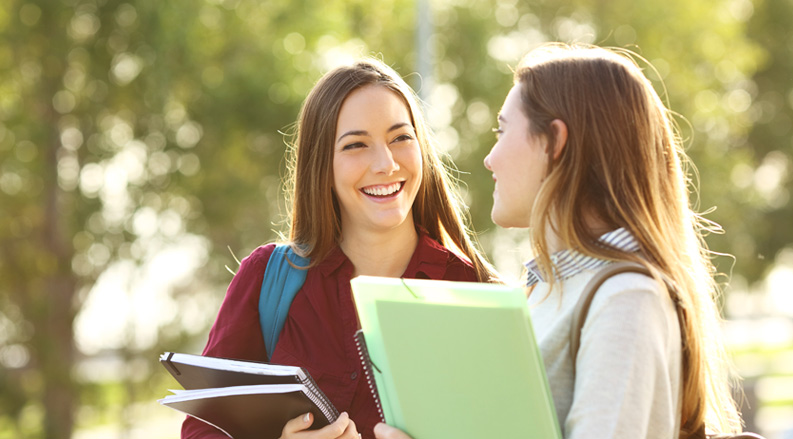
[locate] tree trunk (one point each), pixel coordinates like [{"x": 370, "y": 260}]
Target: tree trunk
[{"x": 53, "y": 339}]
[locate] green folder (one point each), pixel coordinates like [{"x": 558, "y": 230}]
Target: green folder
[{"x": 453, "y": 359}]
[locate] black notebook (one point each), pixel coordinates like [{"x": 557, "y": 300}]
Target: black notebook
[{"x": 244, "y": 399}]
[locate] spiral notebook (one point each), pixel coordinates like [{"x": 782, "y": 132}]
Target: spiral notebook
[
  {"x": 453, "y": 359},
  {"x": 244, "y": 399}
]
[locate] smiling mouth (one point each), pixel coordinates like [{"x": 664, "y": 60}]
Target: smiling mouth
[{"x": 383, "y": 191}]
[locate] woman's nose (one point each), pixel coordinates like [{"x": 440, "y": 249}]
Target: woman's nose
[{"x": 384, "y": 161}]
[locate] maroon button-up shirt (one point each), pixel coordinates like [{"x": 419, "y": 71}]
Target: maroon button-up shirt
[{"x": 319, "y": 330}]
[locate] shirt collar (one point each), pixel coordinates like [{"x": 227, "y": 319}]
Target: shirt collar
[
  {"x": 429, "y": 260},
  {"x": 569, "y": 262},
  {"x": 333, "y": 261}
]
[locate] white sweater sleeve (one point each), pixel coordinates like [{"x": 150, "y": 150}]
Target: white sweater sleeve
[{"x": 627, "y": 371}]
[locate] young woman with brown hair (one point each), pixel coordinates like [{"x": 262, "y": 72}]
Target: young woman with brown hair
[
  {"x": 370, "y": 196},
  {"x": 588, "y": 159}
]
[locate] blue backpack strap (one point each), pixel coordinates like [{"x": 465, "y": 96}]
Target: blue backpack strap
[{"x": 281, "y": 283}]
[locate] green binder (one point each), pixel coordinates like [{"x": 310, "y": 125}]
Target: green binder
[{"x": 453, "y": 359}]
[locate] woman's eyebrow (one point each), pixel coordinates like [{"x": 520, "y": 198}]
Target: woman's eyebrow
[
  {"x": 352, "y": 133},
  {"x": 399, "y": 125},
  {"x": 394, "y": 127}
]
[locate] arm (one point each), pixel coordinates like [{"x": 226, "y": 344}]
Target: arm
[
  {"x": 628, "y": 367},
  {"x": 236, "y": 332}
]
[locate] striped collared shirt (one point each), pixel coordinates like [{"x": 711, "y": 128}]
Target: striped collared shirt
[{"x": 569, "y": 262}]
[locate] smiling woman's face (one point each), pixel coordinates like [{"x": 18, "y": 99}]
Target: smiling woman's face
[{"x": 377, "y": 165}]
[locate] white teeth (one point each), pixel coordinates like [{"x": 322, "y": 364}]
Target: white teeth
[{"x": 382, "y": 191}]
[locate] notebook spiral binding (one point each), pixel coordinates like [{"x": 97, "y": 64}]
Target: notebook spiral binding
[
  {"x": 366, "y": 362},
  {"x": 321, "y": 400}
]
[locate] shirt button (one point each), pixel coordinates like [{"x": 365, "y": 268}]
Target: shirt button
[{"x": 354, "y": 375}]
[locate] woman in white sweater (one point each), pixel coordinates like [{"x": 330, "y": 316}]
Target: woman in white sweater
[{"x": 588, "y": 159}]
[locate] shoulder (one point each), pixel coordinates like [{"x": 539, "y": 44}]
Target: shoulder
[
  {"x": 245, "y": 286},
  {"x": 259, "y": 256},
  {"x": 632, "y": 320},
  {"x": 635, "y": 303},
  {"x": 433, "y": 250},
  {"x": 440, "y": 262},
  {"x": 458, "y": 262},
  {"x": 628, "y": 290},
  {"x": 255, "y": 263},
  {"x": 624, "y": 286}
]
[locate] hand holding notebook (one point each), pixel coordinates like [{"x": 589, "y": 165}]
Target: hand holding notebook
[{"x": 245, "y": 399}]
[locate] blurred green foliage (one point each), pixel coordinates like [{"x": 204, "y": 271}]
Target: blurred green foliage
[{"x": 126, "y": 126}]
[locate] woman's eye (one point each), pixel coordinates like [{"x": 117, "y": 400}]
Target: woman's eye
[
  {"x": 403, "y": 138},
  {"x": 352, "y": 146}
]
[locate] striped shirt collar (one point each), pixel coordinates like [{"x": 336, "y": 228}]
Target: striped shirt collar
[{"x": 569, "y": 262}]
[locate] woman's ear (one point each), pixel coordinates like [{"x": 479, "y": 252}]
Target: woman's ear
[{"x": 560, "y": 137}]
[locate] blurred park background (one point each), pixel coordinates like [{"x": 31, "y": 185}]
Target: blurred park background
[{"x": 141, "y": 147}]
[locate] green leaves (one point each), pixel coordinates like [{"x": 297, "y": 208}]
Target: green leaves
[{"x": 129, "y": 126}]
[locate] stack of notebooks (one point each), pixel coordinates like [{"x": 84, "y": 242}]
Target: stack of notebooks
[
  {"x": 244, "y": 399},
  {"x": 443, "y": 360}
]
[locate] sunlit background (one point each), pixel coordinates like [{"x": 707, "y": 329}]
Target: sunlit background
[{"x": 141, "y": 149}]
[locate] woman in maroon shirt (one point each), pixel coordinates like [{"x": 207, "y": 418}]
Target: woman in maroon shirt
[{"x": 370, "y": 196}]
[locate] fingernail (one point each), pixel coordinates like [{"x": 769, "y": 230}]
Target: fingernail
[{"x": 306, "y": 417}]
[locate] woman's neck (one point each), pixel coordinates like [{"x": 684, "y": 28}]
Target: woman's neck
[
  {"x": 556, "y": 243},
  {"x": 380, "y": 253}
]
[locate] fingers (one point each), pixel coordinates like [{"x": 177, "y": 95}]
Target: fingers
[
  {"x": 297, "y": 424},
  {"x": 385, "y": 431},
  {"x": 342, "y": 428},
  {"x": 338, "y": 429},
  {"x": 351, "y": 432}
]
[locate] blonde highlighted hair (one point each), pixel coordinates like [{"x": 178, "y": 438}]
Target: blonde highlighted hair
[
  {"x": 624, "y": 166},
  {"x": 315, "y": 219}
]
